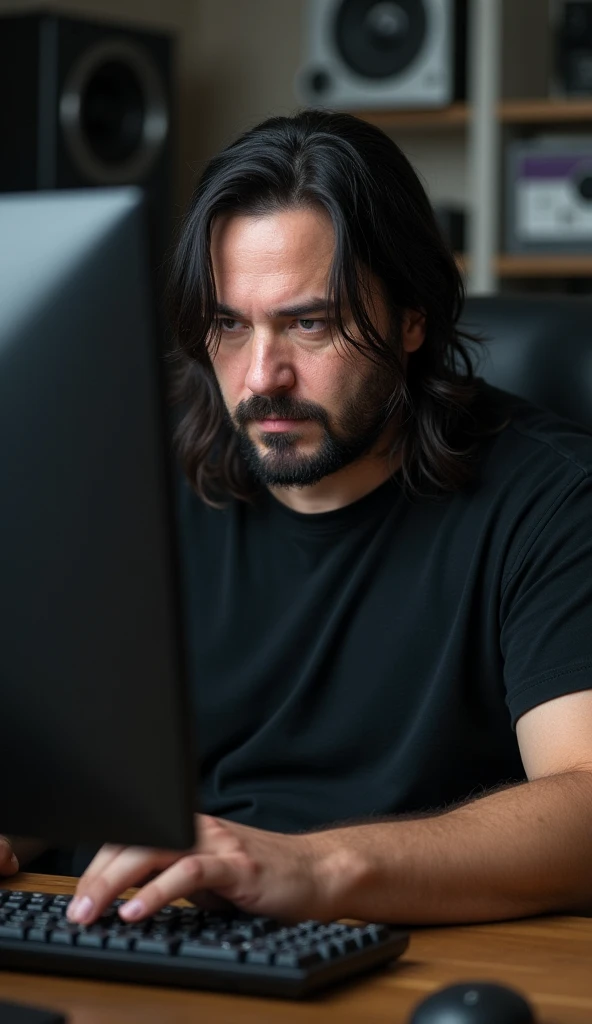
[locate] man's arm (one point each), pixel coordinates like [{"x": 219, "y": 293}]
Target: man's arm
[
  {"x": 523, "y": 850},
  {"x": 514, "y": 853},
  {"x": 517, "y": 852},
  {"x": 520, "y": 851}
]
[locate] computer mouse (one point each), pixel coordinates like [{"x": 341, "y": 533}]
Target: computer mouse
[{"x": 474, "y": 1002}]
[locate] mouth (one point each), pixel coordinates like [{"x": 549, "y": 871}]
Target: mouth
[{"x": 272, "y": 425}]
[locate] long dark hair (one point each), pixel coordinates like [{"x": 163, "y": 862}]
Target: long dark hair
[{"x": 383, "y": 223}]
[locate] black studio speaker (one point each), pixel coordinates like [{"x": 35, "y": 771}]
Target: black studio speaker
[
  {"x": 368, "y": 54},
  {"x": 573, "y": 46},
  {"x": 86, "y": 104}
]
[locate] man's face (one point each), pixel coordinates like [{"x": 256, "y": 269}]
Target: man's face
[{"x": 303, "y": 403}]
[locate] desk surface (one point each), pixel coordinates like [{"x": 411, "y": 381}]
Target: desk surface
[{"x": 549, "y": 959}]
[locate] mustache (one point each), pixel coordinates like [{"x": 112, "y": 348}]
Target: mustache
[{"x": 281, "y": 407}]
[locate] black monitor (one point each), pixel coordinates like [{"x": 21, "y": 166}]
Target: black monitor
[{"x": 95, "y": 740}]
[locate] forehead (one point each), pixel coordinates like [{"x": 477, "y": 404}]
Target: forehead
[{"x": 271, "y": 257}]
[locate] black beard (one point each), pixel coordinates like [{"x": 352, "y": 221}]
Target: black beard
[{"x": 361, "y": 424}]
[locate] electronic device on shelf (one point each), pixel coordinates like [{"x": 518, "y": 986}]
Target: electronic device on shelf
[
  {"x": 368, "y": 54},
  {"x": 549, "y": 194},
  {"x": 571, "y": 23}
]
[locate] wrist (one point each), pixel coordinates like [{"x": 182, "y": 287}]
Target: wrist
[{"x": 343, "y": 873}]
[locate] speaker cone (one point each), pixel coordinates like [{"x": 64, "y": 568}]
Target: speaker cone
[
  {"x": 380, "y": 38},
  {"x": 114, "y": 112}
]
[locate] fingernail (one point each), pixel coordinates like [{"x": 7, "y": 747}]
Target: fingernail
[
  {"x": 81, "y": 909},
  {"x": 133, "y": 909},
  {"x": 14, "y": 862}
]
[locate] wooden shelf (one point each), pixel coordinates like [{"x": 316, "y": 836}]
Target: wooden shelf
[
  {"x": 533, "y": 266},
  {"x": 518, "y": 265},
  {"x": 454, "y": 116},
  {"x": 534, "y": 111},
  {"x": 545, "y": 111}
]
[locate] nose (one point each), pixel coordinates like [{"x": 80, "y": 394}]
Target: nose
[{"x": 270, "y": 367}]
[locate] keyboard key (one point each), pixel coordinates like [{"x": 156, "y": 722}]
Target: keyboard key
[
  {"x": 210, "y": 933},
  {"x": 162, "y": 945},
  {"x": 361, "y": 937},
  {"x": 328, "y": 950},
  {"x": 344, "y": 943},
  {"x": 64, "y": 936},
  {"x": 91, "y": 939},
  {"x": 13, "y": 931},
  {"x": 167, "y": 914},
  {"x": 121, "y": 942},
  {"x": 211, "y": 951},
  {"x": 260, "y": 956},
  {"x": 298, "y": 958}
]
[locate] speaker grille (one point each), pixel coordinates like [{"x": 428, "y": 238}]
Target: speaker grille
[
  {"x": 379, "y": 39},
  {"x": 113, "y": 112}
]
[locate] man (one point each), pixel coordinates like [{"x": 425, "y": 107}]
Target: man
[{"x": 388, "y": 569}]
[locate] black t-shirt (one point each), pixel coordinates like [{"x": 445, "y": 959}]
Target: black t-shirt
[{"x": 373, "y": 660}]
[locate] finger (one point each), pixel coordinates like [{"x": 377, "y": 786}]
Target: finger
[
  {"x": 185, "y": 878},
  {"x": 9, "y": 864},
  {"x": 106, "y": 854},
  {"x": 100, "y": 861},
  {"x": 129, "y": 867}
]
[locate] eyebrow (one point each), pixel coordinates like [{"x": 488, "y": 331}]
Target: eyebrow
[{"x": 312, "y": 305}]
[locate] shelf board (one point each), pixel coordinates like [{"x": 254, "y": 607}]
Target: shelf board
[
  {"x": 545, "y": 111},
  {"x": 454, "y": 116},
  {"x": 526, "y": 265},
  {"x": 533, "y": 111}
]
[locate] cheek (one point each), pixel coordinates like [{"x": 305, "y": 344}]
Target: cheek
[{"x": 229, "y": 374}]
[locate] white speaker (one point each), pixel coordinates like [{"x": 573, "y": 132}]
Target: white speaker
[{"x": 372, "y": 54}]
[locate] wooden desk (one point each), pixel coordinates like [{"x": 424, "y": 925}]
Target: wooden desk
[{"x": 548, "y": 959}]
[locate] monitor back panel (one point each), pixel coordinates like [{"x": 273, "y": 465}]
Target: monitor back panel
[{"x": 94, "y": 724}]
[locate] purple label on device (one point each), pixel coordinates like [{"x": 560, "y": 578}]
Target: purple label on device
[{"x": 551, "y": 166}]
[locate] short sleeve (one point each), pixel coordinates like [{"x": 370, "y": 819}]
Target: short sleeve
[{"x": 546, "y": 603}]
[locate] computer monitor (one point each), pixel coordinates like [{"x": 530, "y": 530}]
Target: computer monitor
[{"x": 95, "y": 738}]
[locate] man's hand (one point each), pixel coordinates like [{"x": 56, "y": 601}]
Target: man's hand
[
  {"x": 284, "y": 876},
  {"x": 9, "y": 864}
]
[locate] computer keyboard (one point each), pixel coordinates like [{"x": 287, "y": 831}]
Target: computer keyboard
[{"x": 190, "y": 948}]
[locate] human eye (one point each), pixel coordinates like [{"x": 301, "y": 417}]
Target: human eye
[
  {"x": 228, "y": 325},
  {"x": 310, "y": 326}
]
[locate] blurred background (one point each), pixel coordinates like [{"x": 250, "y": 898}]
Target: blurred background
[{"x": 490, "y": 99}]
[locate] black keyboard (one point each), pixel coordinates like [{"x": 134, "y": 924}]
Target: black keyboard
[{"x": 190, "y": 948}]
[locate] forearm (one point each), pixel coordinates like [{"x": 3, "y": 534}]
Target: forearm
[{"x": 514, "y": 853}]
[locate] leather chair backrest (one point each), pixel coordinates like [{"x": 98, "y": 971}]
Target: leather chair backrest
[{"x": 539, "y": 348}]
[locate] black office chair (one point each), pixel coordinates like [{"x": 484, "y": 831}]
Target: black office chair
[{"x": 537, "y": 347}]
